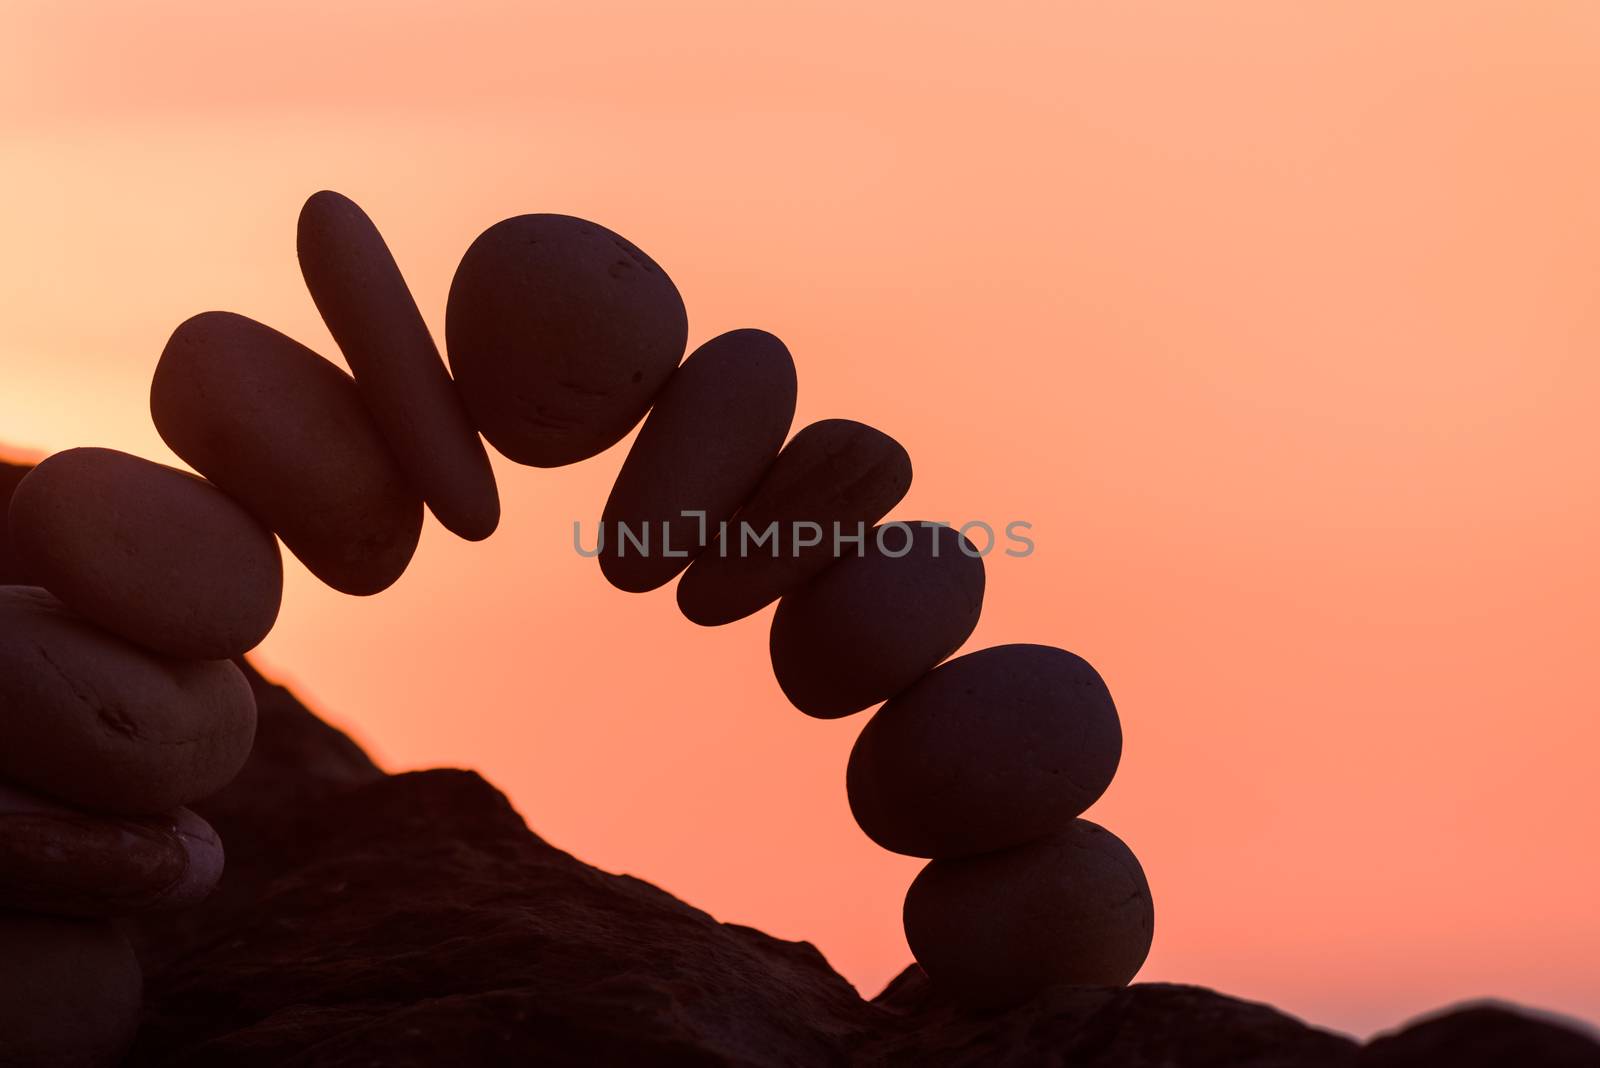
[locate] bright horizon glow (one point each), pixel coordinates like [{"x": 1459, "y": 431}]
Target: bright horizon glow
[{"x": 1279, "y": 323}]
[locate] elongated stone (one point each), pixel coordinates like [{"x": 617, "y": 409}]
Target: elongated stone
[
  {"x": 364, "y": 299},
  {"x": 714, "y": 431},
  {"x": 1073, "y": 908},
  {"x": 834, "y": 474},
  {"x": 873, "y": 624},
  {"x": 152, "y": 553},
  {"x": 285, "y": 433},
  {"x": 68, "y": 862},
  {"x": 560, "y": 334},
  {"x": 69, "y": 992},
  {"x": 96, "y": 721},
  {"x": 993, "y": 749}
]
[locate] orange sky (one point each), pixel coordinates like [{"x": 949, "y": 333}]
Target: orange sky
[{"x": 1277, "y": 321}]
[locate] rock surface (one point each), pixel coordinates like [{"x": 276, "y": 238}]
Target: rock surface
[{"x": 414, "y": 920}]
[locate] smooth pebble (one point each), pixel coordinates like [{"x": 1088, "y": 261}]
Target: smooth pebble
[
  {"x": 98, "y": 722},
  {"x": 287, "y": 435},
  {"x": 560, "y": 334},
  {"x": 991, "y": 750},
  {"x": 69, "y": 992},
  {"x": 836, "y": 471},
  {"x": 369, "y": 309},
  {"x": 1073, "y": 908},
  {"x": 713, "y": 432},
  {"x": 154, "y": 554},
  {"x": 873, "y": 624}
]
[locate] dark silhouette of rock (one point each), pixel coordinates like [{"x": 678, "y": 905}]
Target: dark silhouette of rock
[
  {"x": 996, "y": 928},
  {"x": 286, "y": 434},
  {"x": 364, "y": 299},
  {"x": 874, "y": 623},
  {"x": 68, "y": 862},
  {"x": 154, "y": 554},
  {"x": 833, "y": 472},
  {"x": 560, "y": 334},
  {"x": 990, "y": 750},
  {"x": 1482, "y": 1036},
  {"x": 69, "y": 992},
  {"x": 100, "y": 723},
  {"x": 714, "y": 431}
]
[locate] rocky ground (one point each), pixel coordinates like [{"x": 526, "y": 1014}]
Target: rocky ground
[
  {"x": 369, "y": 919},
  {"x": 416, "y": 920}
]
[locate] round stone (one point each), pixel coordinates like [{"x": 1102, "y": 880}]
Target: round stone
[
  {"x": 1073, "y": 908},
  {"x": 157, "y": 555},
  {"x": 713, "y": 432},
  {"x": 358, "y": 288},
  {"x": 991, "y": 750},
  {"x": 69, "y": 862},
  {"x": 874, "y": 623},
  {"x": 560, "y": 334},
  {"x": 834, "y": 475},
  {"x": 98, "y": 722},
  {"x": 69, "y": 992},
  {"x": 286, "y": 434}
]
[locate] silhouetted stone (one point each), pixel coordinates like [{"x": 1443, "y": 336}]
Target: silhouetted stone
[
  {"x": 98, "y": 722},
  {"x": 873, "y": 624},
  {"x": 286, "y": 434},
  {"x": 832, "y": 472},
  {"x": 993, "y": 749},
  {"x": 154, "y": 554},
  {"x": 995, "y": 929},
  {"x": 714, "y": 431},
  {"x": 1482, "y": 1036},
  {"x": 358, "y": 288},
  {"x": 560, "y": 334},
  {"x": 1148, "y": 1025},
  {"x": 69, "y": 992},
  {"x": 68, "y": 862}
]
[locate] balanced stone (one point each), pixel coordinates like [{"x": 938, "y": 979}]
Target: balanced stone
[
  {"x": 874, "y": 623},
  {"x": 69, "y": 992},
  {"x": 560, "y": 334},
  {"x": 834, "y": 474},
  {"x": 1073, "y": 908},
  {"x": 69, "y": 862},
  {"x": 364, "y": 299},
  {"x": 991, "y": 750},
  {"x": 286, "y": 434},
  {"x": 714, "y": 431},
  {"x": 157, "y": 555},
  {"x": 96, "y": 721}
]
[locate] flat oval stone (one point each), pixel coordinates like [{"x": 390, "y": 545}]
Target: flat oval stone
[
  {"x": 364, "y": 299},
  {"x": 98, "y": 722},
  {"x": 995, "y": 929},
  {"x": 560, "y": 334},
  {"x": 833, "y": 472},
  {"x": 152, "y": 553},
  {"x": 991, "y": 750},
  {"x": 714, "y": 431},
  {"x": 69, "y": 862},
  {"x": 873, "y": 624},
  {"x": 286, "y": 434},
  {"x": 69, "y": 992}
]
